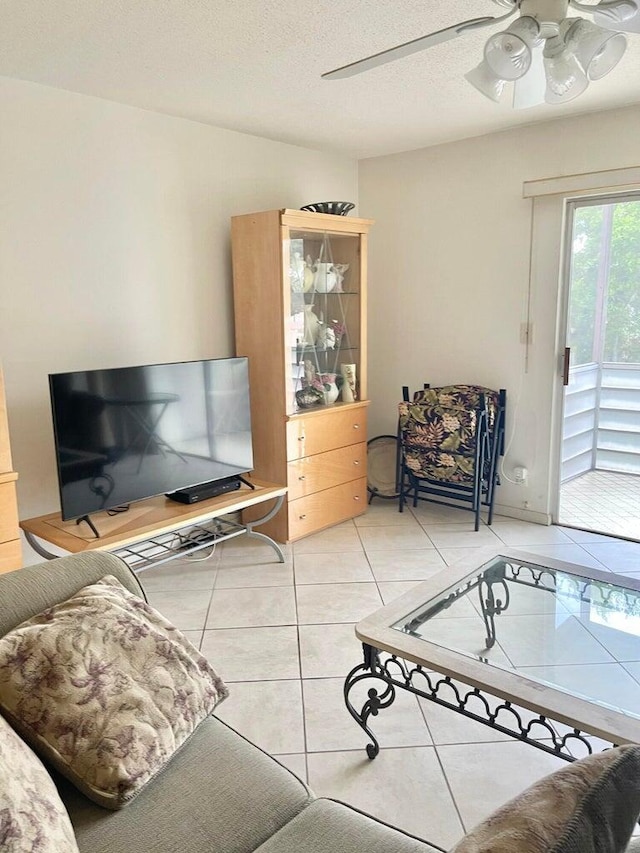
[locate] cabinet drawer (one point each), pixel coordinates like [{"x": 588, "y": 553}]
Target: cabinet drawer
[
  {"x": 8, "y": 512},
  {"x": 311, "y": 434},
  {"x": 10, "y": 556},
  {"x": 325, "y": 470},
  {"x": 323, "y": 509}
]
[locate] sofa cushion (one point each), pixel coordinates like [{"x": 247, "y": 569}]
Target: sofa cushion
[
  {"x": 327, "y": 826},
  {"x": 219, "y": 794},
  {"x": 32, "y": 816},
  {"x": 105, "y": 688},
  {"x": 590, "y": 806}
]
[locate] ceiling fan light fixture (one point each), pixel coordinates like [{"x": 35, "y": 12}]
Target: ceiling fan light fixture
[
  {"x": 486, "y": 82},
  {"x": 598, "y": 50},
  {"x": 566, "y": 77},
  {"x": 548, "y": 53},
  {"x": 508, "y": 54}
]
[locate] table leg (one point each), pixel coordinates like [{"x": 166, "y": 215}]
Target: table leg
[
  {"x": 492, "y": 606},
  {"x": 37, "y": 547},
  {"x": 375, "y": 700},
  {"x": 258, "y": 521}
]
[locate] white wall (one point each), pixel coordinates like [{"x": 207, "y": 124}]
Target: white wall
[
  {"x": 114, "y": 244},
  {"x": 449, "y": 264}
]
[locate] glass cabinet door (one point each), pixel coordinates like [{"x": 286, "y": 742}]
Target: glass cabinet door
[{"x": 323, "y": 288}]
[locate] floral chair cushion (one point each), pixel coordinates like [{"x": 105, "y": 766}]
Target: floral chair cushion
[
  {"x": 106, "y": 689},
  {"x": 438, "y": 443},
  {"x": 33, "y": 818},
  {"x": 461, "y": 397}
]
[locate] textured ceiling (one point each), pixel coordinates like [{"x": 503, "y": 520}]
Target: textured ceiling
[{"x": 255, "y": 66}]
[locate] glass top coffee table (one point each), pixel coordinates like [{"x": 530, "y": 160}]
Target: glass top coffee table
[{"x": 501, "y": 632}]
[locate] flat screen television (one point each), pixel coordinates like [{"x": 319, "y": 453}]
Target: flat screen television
[{"x": 129, "y": 433}]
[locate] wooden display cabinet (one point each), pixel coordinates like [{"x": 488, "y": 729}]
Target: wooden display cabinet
[
  {"x": 10, "y": 547},
  {"x": 299, "y": 281}
]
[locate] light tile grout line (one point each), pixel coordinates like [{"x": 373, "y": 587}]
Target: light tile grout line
[{"x": 307, "y": 753}]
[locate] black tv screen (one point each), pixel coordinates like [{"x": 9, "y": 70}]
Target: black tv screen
[{"x": 130, "y": 433}]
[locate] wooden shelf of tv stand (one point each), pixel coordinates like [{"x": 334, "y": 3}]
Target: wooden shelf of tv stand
[{"x": 144, "y": 520}]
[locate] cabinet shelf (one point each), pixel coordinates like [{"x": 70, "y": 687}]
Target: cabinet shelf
[
  {"x": 311, "y": 349},
  {"x": 179, "y": 543}
]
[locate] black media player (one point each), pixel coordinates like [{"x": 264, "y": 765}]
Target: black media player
[{"x": 204, "y": 491}]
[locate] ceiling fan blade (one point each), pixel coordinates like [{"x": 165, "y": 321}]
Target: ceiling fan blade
[
  {"x": 410, "y": 47},
  {"x": 618, "y": 15},
  {"x": 629, "y": 26}
]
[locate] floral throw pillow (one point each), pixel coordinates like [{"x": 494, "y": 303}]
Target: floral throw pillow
[
  {"x": 590, "y": 806},
  {"x": 106, "y": 689},
  {"x": 32, "y": 816}
]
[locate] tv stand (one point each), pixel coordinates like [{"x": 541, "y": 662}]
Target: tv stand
[{"x": 157, "y": 530}]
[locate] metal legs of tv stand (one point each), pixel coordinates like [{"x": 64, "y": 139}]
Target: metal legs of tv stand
[
  {"x": 258, "y": 521},
  {"x": 38, "y": 548}
]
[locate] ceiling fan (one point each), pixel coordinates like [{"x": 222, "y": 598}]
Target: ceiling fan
[{"x": 548, "y": 56}]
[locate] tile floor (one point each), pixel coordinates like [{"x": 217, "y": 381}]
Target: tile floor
[
  {"x": 603, "y": 501},
  {"x": 282, "y": 636}
]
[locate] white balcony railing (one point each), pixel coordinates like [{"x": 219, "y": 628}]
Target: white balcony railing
[{"x": 601, "y": 427}]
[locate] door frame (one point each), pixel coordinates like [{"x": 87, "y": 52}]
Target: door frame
[
  {"x": 539, "y": 405},
  {"x": 569, "y": 205}
]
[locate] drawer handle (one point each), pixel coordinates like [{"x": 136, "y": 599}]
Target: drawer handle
[
  {"x": 356, "y": 497},
  {"x": 356, "y": 426},
  {"x": 302, "y": 517},
  {"x": 302, "y": 477},
  {"x": 356, "y": 462},
  {"x": 301, "y": 438}
]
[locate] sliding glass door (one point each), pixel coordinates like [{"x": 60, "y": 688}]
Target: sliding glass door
[{"x": 600, "y": 467}]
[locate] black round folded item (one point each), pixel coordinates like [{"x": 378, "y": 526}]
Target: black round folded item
[{"x": 338, "y": 208}]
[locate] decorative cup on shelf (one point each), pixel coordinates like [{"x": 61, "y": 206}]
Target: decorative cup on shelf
[
  {"x": 325, "y": 278},
  {"x": 349, "y": 393},
  {"x": 331, "y": 391}
]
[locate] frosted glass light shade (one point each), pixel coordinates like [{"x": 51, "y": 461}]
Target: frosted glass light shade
[
  {"x": 486, "y": 82},
  {"x": 598, "y": 50},
  {"x": 529, "y": 90},
  {"x": 566, "y": 78},
  {"x": 508, "y": 54}
]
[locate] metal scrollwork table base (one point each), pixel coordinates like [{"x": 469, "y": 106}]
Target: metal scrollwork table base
[{"x": 404, "y": 649}]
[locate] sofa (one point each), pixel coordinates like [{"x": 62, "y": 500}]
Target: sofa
[{"x": 218, "y": 793}]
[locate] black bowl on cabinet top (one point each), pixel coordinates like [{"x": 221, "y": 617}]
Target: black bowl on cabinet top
[{"x": 337, "y": 208}]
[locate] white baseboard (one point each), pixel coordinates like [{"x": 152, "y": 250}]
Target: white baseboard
[{"x": 522, "y": 514}]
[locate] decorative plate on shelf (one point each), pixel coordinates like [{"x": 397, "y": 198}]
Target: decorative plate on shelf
[{"x": 381, "y": 466}]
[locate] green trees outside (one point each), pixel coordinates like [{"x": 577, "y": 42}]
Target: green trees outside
[{"x": 604, "y": 313}]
